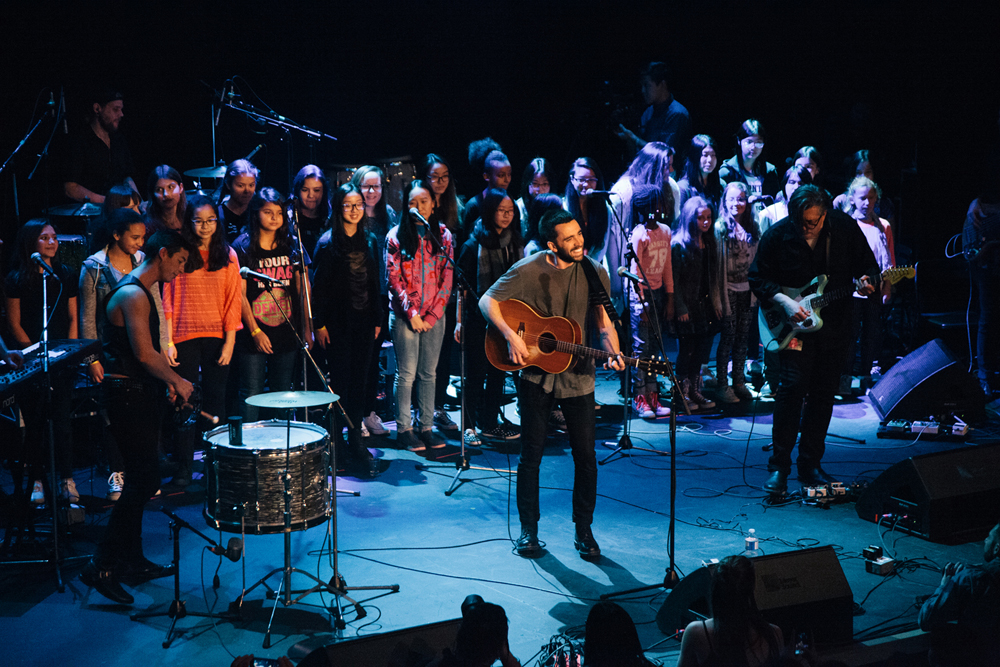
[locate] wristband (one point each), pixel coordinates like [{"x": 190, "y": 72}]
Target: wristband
[
  {"x": 255, "y": 332},
  {"x": 95, "y": 361},
  {"x": 170, "y": 344}
]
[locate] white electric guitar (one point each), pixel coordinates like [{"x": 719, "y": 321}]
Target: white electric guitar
[{"x": 776, "y": 331}]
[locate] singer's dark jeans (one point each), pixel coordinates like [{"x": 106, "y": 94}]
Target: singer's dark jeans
[
  {"x": 135, "y": 416},
  {"x": 536, "y": 407},
  {"x": 804, "y": 400}
]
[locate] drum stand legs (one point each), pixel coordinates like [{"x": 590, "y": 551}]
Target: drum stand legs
[
  {"x": 178, "y": 609},
  {"x": 335, "y": 586}
]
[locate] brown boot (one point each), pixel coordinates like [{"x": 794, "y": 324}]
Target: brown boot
[
  {"x": 698, "y": 397},
  {"x": 685, "y": 384}
]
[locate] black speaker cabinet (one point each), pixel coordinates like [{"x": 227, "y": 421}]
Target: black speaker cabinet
[
  {"x": 409, "y": 647},
  {"x": 928, "y": 381},
  {"x": 799, "y": 591},
  {"x": 942, "y": 497}
]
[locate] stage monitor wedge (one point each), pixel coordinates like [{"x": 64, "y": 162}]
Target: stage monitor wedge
[
  {"x": 930, "y": 381},
  {"x": 948, "y": 496},
  {"x": 801, "y": 591}
]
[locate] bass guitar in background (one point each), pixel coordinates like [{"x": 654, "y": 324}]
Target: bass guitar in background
[{"x": 777, "y": 330}]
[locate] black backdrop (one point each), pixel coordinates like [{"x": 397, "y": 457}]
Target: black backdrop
[{"x": 391, "y": 79}]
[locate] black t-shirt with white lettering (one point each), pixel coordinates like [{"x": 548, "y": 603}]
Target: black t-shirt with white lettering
[{"x": 280, "y": 263}]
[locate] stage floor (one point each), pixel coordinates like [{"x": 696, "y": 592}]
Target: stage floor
[{"x": 402, "y": 529}]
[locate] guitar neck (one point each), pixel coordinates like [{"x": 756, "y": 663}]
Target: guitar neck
[{"x": 591, "y": 353}]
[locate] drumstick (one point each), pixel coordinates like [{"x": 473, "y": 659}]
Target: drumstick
[{"x": 211, "y": 418}]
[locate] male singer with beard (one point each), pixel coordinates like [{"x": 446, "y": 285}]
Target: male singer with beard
[
  {"x": 554, "y": 283},
  {"x": 98, "y": 154}
]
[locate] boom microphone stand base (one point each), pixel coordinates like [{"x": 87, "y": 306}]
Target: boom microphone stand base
[{"x": 178, "y": 608}]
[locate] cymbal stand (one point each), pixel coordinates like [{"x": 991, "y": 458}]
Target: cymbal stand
[
  {"x": 336, "y": 585},
  {"x": 462, "y": 464},
  {"x": 178, "y": 608}
]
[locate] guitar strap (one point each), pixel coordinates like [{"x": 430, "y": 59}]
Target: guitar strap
[{"x": 599, "y": 295}]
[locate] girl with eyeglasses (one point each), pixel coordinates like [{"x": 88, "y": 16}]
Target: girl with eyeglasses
[
  {"x": 420, "y": 282},
  {"x": 447, "y": 210},
  {"x": 750, "y": 168},
  {"x": 380, "y": 217},
  {"x": 347, "y": 314},
  {"x": 592, "y": 212},
  {"x": 202, "y": 310},
  {"x": 494, "y": 246}
]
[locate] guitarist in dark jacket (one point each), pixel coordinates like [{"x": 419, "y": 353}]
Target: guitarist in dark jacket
[
  {"x": 554, "y": 283},
  {"x": 813, "y": 240}
]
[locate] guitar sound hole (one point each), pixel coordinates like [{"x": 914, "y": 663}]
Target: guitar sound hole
[{"x": 547, "y": 343}]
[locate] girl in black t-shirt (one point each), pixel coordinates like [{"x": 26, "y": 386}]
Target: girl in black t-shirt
[
  {"x": 267, "y": 347},
  {"x": 23, "y": 290}
]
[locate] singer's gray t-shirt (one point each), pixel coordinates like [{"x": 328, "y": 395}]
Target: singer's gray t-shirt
[{"x": 554, "y": 292}]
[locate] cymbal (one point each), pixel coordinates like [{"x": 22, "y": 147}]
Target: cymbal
[
  {"x": 206, "y": 172},
  {"x": 85, "y": 210},
  {"x": 292, "y": 399}
]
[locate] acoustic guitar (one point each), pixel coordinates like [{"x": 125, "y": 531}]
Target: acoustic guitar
[
  {"x": 553, "y": 343},
  {"x": 777, "y": 331}
]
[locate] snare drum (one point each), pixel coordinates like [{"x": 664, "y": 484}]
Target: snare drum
[{"x": 246, "y": 481}]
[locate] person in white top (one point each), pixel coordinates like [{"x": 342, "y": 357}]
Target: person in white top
[{"x": 862, "y": 196}]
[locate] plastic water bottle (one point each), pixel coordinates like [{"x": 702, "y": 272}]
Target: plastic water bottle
[{"x": 750, "y": 544}]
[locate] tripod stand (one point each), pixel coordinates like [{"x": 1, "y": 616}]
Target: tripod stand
[
  {"x": 178, "y": 608},
  {"x": 462, "y": 464}
]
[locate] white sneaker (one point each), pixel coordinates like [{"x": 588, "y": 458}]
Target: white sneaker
[
  {"x": 38, "y": 493},
  {"x": 68, "y": 490},
  {"x": 115, "y": 484},
  {"x": 374, "y": 424}
]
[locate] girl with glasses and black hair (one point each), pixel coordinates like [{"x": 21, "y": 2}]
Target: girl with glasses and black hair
[
  {"x": 447, "y": 210},
  {"x": 380, "y": 217},
  {"x": 494, "y": 247},
  {"x": 420, "y": 282},
  {"x": 750, "y": 168},
  {"x": 593, "y": 213},
  {"x": 202, "y": 309},
  {"x": 347, "y": 315},
  {"x": 536, "y": 180}
]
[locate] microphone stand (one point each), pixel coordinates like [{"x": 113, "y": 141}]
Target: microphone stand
[
  {"x": 336, "y": 586},
  {"x": 178, "y": 608},
  {"x": 462, "y": 464},
  {"x": 670, "y": 578},
  {"x": 306, "y": 297}
]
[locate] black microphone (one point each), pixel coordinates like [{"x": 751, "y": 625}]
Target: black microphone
[
  {"x": 625, "y": 273},
  {"x": 245, "y": 272},
  {"x": 416, "y": 214},
  {"x": 51, "y": 104},
  {"x": 602, "y": 194},
  {"x": 233, "y": 551},
  {"x": 222, "y": 97},
  {"x": 62, "y": 110},
  {"x": 254, "y": 152},
  {"x": 37, "y": 259}
]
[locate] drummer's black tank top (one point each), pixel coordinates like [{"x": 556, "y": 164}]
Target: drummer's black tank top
[{"x": 117, "y": 347}]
